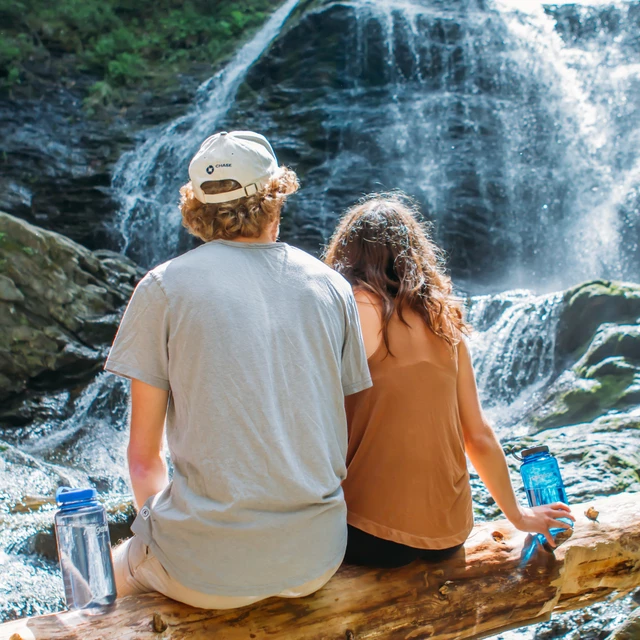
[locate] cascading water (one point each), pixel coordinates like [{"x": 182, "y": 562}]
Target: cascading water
[
  {"x": 512, "y": 124},
  {"x": 513, "y": 349},
  {"x": 490, "y": 115}
]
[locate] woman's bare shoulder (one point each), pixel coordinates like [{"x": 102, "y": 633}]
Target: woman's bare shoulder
[{"x": 364, "y": 296}]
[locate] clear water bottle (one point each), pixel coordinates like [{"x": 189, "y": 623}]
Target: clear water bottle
[
  {"x": 84, "y": 549},
  {"x": 542, "y": 480}
]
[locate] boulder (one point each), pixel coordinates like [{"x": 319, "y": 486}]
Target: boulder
[
  {"x": 60, "y": 307},
  {"x": 588, "y": 306},
  {"x": 594, "y": 338},
  {"x": 629, "y": 629}
]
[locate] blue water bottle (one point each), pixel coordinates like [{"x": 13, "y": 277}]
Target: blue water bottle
[
  {"x": 84, "y": 549},
  {"x": 542, "y": 480}
]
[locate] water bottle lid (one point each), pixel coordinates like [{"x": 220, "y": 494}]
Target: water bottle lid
[
  {"x": 531, "y": 452},
  {"x": 67, "y": 495}
]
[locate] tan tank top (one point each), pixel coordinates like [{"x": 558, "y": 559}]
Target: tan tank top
[{"x": 407, "y": 478}]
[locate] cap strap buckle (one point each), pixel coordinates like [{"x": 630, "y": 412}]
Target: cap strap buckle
[{"x": 228, "y": 196}]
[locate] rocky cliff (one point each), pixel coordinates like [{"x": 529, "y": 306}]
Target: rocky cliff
[{"x": 60, "y": 306}]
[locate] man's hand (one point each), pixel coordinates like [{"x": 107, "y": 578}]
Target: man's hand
[{"x": 541, "y": 519}]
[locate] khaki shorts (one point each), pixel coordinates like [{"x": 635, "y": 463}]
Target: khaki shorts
[{"x": 137, "y": 570}]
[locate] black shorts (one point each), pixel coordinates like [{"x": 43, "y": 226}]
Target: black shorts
[{"x": 371, "y": 551}]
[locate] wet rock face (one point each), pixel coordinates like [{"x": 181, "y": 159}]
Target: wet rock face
[
  {"x": 597, "y": 355},
  {"x": 60, "y": 307},
  {"x": 57, "y": 161},
  {"x": 585, "y": 309},
  {"x": 56, "y": 165},
  {"x": 460, "y": 105},
  {"x": 588, "y": 412}
]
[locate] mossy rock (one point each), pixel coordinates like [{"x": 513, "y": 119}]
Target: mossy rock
[
  {"x": 588, "y": 306},
  {"x": 60, "y": 306},
  {"x": 572, "y": 399},
  {"x": 612, "y": 341},
  {"x": 597, "y": 357}
]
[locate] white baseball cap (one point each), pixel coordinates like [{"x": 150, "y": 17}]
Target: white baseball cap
[{"x": 244, "y": 156}]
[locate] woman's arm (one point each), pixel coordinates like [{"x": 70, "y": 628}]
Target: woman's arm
[
  {"x": 147, "y": 465},
  {"x": 486, "y": 455}
]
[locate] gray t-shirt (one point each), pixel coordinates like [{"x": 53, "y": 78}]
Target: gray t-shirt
[{"x": 258, "y": 344}]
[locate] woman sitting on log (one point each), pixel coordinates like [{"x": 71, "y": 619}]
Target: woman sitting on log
[{"x": 407, "y": 487}]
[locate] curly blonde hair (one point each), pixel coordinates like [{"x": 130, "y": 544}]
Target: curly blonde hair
[
  {"x": 381, "y": 246},
  {"x": 246, "y": 217}
]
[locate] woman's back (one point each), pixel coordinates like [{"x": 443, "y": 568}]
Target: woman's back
[
  {"x": 407, "y": 477},
  {"x": 407, "y": 487}
]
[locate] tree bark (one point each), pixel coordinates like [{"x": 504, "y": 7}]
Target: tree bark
[{"x": 502, "y": 579}]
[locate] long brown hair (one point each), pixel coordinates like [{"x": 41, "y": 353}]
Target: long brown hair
[{"x": 381, "y": 247}]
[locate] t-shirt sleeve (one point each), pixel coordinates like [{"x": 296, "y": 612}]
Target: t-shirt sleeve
[
  {"x": 140, "y": 348},
  {"x": 355, "y": 370}
]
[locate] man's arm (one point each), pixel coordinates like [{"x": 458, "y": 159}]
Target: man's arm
[
  {"x": 486, "y": 455},
  {"x": 147, "y": 466}
]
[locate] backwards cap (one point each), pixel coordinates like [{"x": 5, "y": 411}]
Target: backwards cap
[{"x": 243, "y": 156}]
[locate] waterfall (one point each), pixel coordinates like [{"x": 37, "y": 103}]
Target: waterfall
[
  {"x": 146, "y": 179},
  {"x": 513, "y": 346},
  {"x": 592, "y": 54},
  {"x": 511, "y": 123},
  {"x": 517, "y": 136}
]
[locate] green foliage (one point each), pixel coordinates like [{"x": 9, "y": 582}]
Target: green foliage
[
  {"x": 125, "y": 43},
  {"x": 101, "y": 95},
  {"x": 126, "y": 68}
]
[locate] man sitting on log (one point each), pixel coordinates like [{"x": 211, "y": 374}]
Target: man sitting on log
[{"x": 245, "y": 348}]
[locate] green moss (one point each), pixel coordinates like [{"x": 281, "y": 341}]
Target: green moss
[
  {"x": 129, "y": 45},
  {"x": 608, "y": 389},
  {"x": 586, "y": 308},
  {"x": 587, "y": 401},
  {"x": 29, "y": 251}
]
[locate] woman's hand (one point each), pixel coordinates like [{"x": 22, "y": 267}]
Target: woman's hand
[{"x": 541, "y": 519}]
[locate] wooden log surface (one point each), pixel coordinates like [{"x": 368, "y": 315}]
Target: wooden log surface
[{"x": 502, "y": 579}]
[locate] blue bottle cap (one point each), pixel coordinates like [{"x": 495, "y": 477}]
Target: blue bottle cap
[
  {"x": 531, "y": 452},
  {"x": 68, "y": 496}
]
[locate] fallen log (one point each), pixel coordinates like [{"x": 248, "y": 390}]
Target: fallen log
[{"x": 502, "y": 579}]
